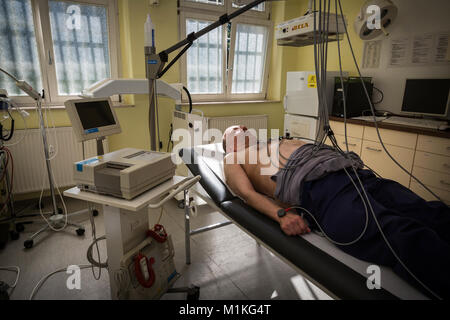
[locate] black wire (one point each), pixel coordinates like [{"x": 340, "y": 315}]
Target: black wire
[
  {"x": 382, "y": 96},
  {"x": 11, "y": 131},
  {"x": 189, "y": 98}
]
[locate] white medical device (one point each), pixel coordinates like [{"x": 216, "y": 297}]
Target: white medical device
[
  {"x": 125, "y": 173},
  {"x": 299, "y": 32},
  {"x": 301, "y": 92},
  {"x": 301, "y": 102},
  {"x": 92, "y": 118}
]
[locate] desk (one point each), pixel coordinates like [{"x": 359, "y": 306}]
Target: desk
[{"x": 126, "y": 221}]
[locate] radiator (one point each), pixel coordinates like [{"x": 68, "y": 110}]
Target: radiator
[
  {"x": 182, "y": 120},
  {"x": 256, "y": 122},
  {"x": 30, "y": 172}
]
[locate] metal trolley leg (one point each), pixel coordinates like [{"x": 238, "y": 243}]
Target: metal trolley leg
[{"x": 187, "y": 227}]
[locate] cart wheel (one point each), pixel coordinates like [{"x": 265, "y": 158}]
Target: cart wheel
[
  {"x": 80, "y": 232},
  {"x": 95, "y": 212},
  {"x": 28, "y": 244},
  {"x": 193, "y": 294},
  {"x": 20, "y": 227},
  {"x": 14, "y": 235}
]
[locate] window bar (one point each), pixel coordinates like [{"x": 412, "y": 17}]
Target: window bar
[
  {"x": 92, "y": 52},
  {"x": 254, "y": 64},
  {"x": 28, "y": 35},
  {"x": 63, "y": 65},
  {"x": 246, "y": 64},
  {"x": 207, "y": 60}
]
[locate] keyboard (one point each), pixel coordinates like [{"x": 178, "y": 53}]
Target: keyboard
[
  {"x": 370, "y": 118},
  {"x": 422, "y": 123}
]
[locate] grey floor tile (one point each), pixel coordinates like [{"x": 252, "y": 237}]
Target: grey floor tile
[{"x": 225, "y": 263}]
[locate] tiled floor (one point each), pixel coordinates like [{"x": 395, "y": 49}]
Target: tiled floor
[{"x": 226, "y": 262}]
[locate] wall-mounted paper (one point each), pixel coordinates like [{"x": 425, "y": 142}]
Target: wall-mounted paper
[{"x": 372, "y": 53}]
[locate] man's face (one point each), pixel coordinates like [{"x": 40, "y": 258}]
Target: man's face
[{"x": 237, "y": 138}]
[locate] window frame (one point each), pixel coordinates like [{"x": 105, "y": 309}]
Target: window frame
[
  {"x": 265, "y": 77},
  {"x": 188, "y": 9},
  {"x": 44, "y": 42},
  {"x": 183, "y": 61}
]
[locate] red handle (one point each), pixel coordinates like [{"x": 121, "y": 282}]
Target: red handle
[
  {"x": 137, "y": 269},
  {"x": 158, "y": 233}
]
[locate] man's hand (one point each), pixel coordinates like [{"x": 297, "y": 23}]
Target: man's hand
[{"x": 293, "y": 225}]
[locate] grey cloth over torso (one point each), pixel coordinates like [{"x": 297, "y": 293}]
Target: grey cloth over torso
[{"x": 306, "y": 164}]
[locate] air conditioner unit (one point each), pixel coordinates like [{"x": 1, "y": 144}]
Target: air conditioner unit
[{"x": 299, "y": 32}]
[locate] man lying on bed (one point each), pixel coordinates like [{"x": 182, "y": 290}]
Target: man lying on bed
[{"x": 282, "y": 174}]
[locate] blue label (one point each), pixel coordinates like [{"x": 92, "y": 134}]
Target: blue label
[
  {"x": 153, "y": 38},
  {"x": 172, "y": 276},
  {"x": 81, "y": 163},
  {"x": 152, "y": 61},
  {"x": 91, "y": 130}
]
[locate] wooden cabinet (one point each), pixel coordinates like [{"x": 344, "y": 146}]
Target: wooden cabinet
[
  {"x": 427, "y": 157},
  {"x": 378, "y": 160}
]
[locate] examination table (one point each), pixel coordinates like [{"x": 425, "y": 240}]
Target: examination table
[{"x": 335, "y": 272}]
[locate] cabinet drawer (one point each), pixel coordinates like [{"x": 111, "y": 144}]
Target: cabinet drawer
[
  {"x": 423, "y": 193},
  {"x": 375, "y": 157},
  {"x": 432, "y": 178},
  {"x": 396, "y": 138},
  {"x": 354, "y": 144},
  {"x": 353, "y": 130},
  {"x": 434, "y": 145},
  {"x": 432, "y": 161}
]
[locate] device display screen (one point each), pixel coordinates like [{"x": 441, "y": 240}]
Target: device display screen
[
  {"x": 95, "y": 114},
  {"x": 428, "y": 96}
]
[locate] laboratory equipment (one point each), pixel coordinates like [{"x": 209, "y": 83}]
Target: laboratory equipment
[
  {"x": 57, "y": 221},
  {"x": 92, "y": 118},
  {"x": 125, "y": 173},
  {"x": 304, "y": 30},
  {"x": 356, "y": 100}
]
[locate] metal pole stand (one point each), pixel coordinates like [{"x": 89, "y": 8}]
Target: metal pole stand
[{"x": 57, "y": 219}]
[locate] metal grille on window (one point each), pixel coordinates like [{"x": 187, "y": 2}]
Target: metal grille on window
[
  {"x": 204, "y": 60},
  {"x": 216, "y": 2},
  {"x": 249, "y": 57},
  {"x": 18, "y": 48},
  {"x": 260, "y": 7},
  {"x": 80, "y": 44}
]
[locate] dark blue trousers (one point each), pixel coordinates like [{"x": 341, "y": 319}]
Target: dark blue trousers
[{"x": 418, "y": 231}]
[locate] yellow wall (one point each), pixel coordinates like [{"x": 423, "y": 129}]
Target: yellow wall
[
  {"x": 134, "y": 121},
  {"x": 132, "y": 15}
]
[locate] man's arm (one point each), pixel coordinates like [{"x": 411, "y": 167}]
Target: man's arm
[{"x": 236, "y": 178}]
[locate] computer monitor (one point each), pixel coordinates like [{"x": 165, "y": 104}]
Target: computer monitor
[
  {"x": 92, "y": 118},
  {"x": 426, "y": 97}
]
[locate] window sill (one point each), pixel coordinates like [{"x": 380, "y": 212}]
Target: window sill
[
  {"x": 203, "y": 103},
  {"x": 31, "y": 106}
]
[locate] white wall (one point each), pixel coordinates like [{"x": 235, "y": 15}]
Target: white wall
[{"x": 415, "y": 17}]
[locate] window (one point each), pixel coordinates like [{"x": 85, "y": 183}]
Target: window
[
  {"x": 60, "y": 46},
  {"x": 230, "y": 62}
]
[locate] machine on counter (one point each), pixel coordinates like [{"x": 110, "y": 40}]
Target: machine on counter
[{"x": 125, "y": 173}]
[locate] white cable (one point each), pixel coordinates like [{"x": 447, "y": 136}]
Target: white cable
[
  {"x": 48, "y": 111},
  {"x": 39, "y": 284},
  {"x": 14, "y": 269},
  {"x": 25, "y": 124},
  {"x": 62, "y": 200},
  {"x": 359, "y": 180}
]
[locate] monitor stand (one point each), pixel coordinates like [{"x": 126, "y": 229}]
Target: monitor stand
[{"x": 100, "y": 150}]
